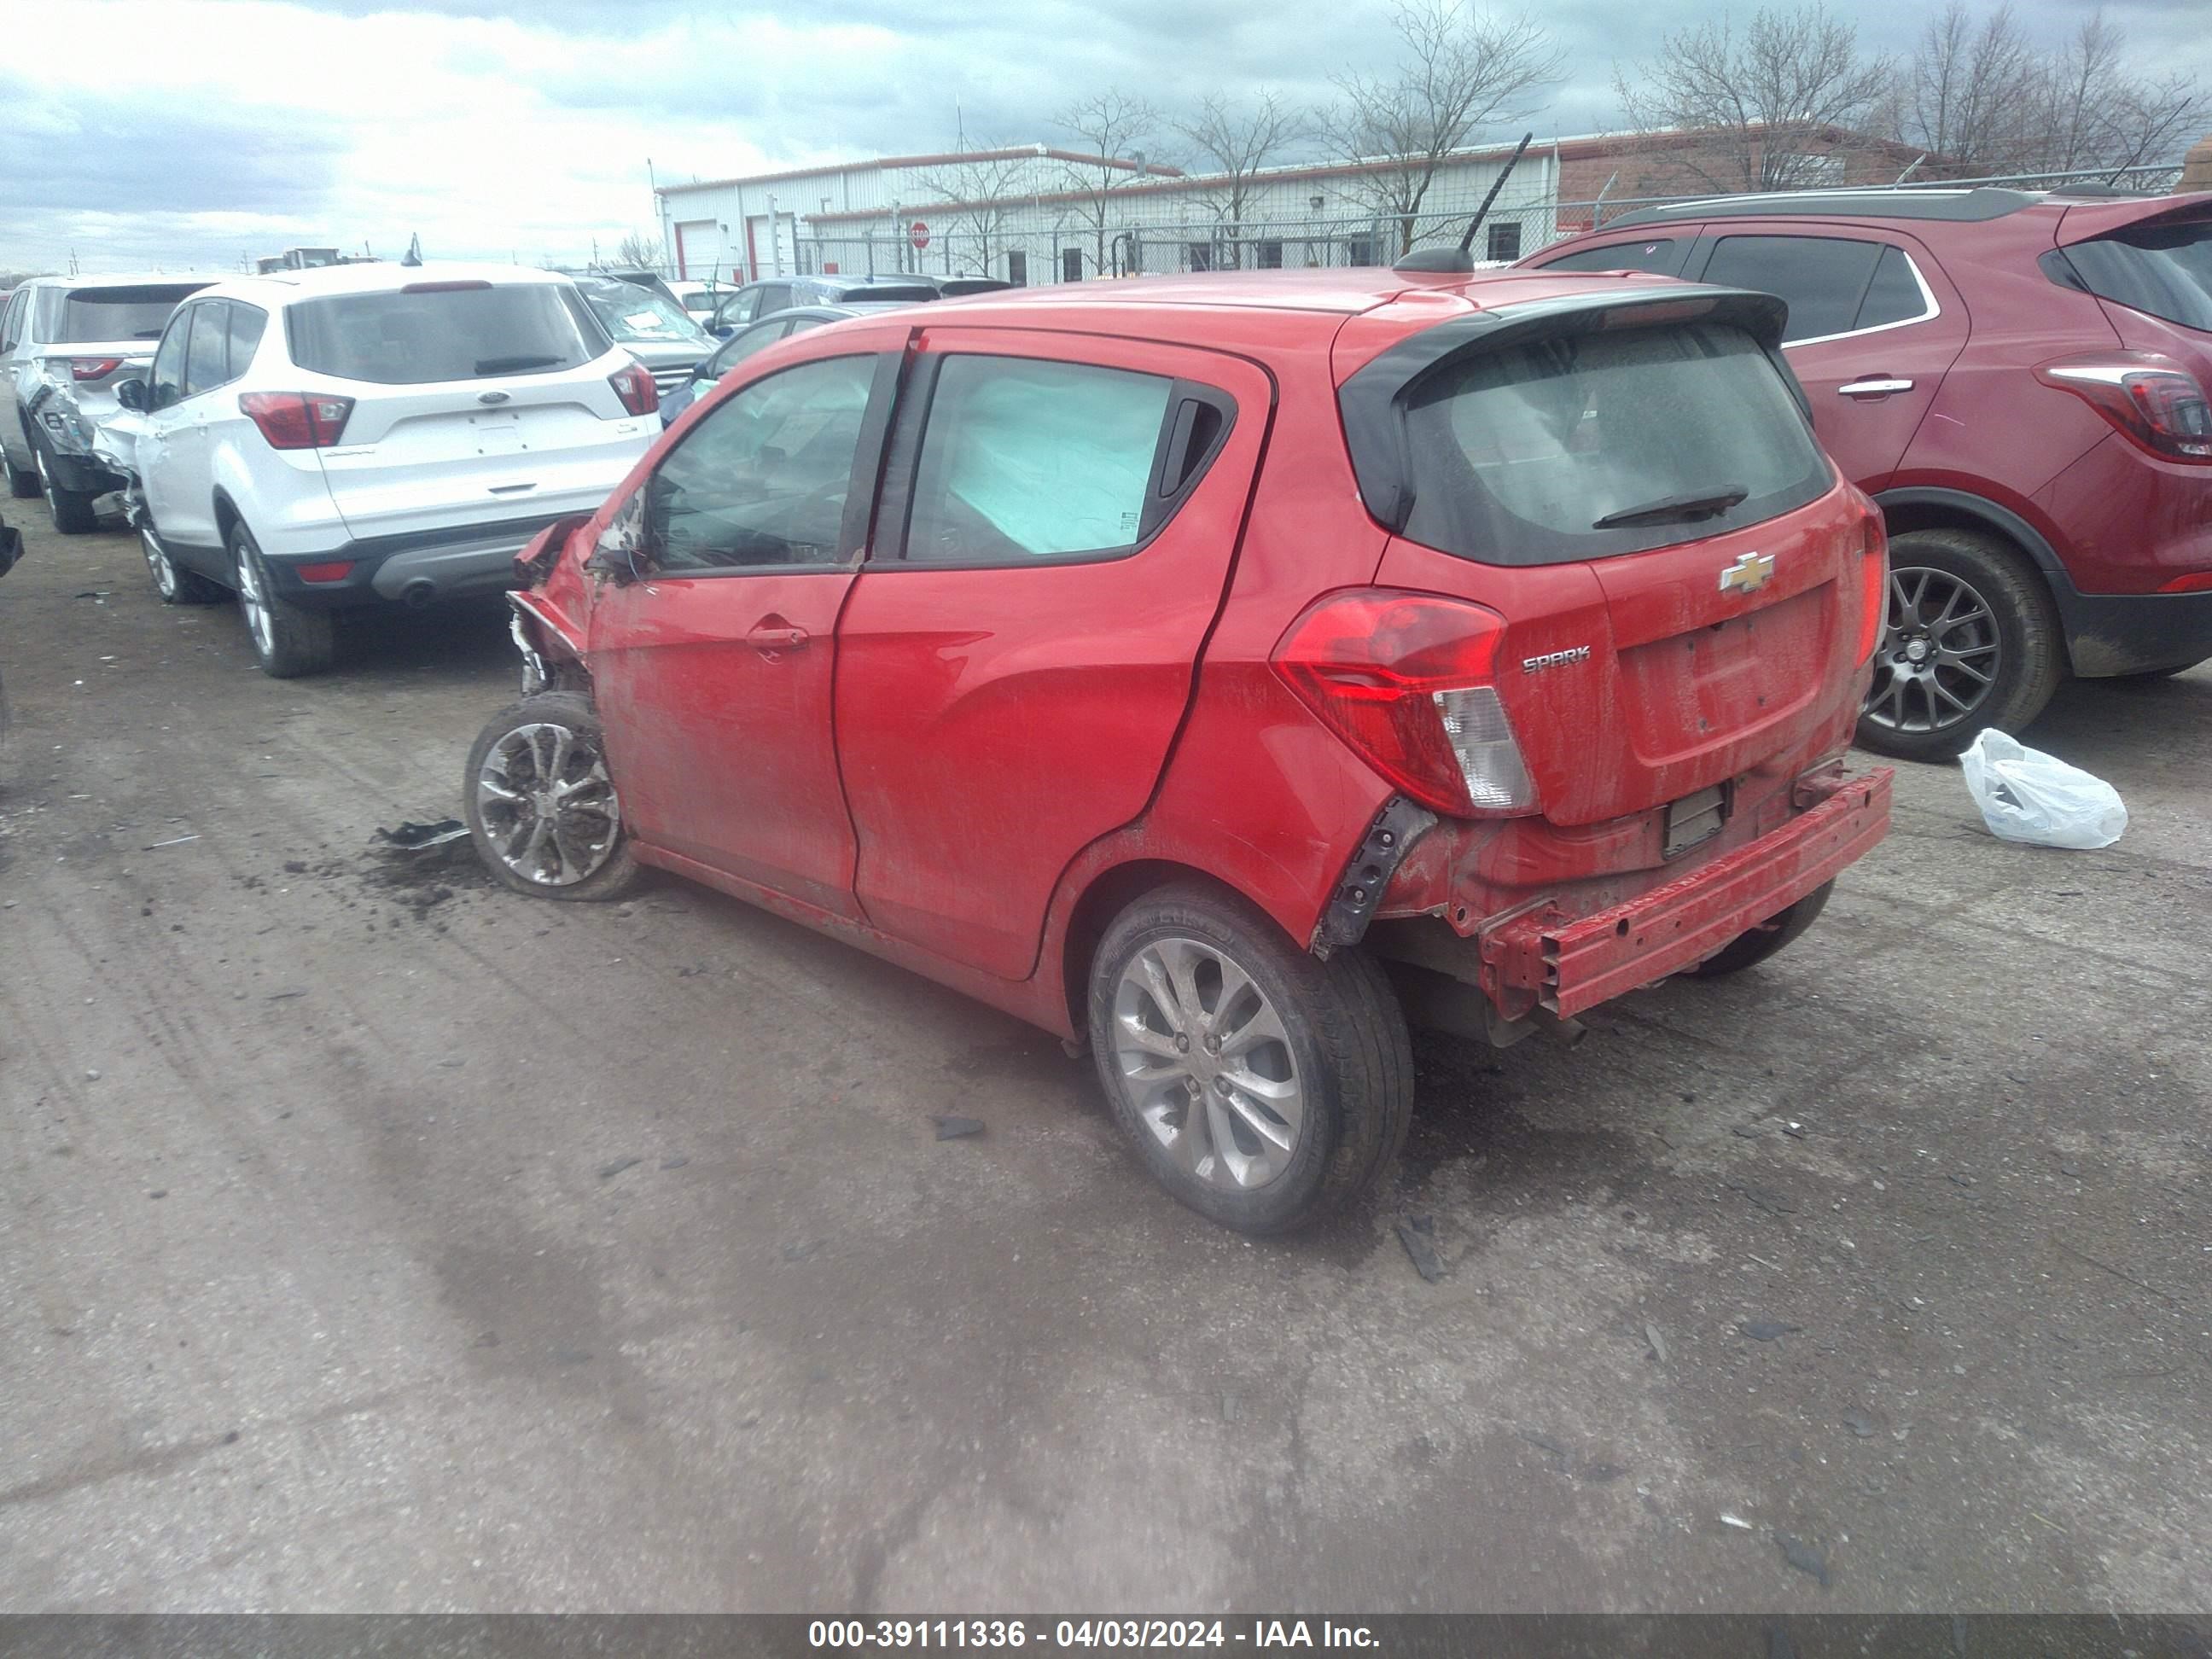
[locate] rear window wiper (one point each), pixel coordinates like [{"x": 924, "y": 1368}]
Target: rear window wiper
[
  {"x": 508, "y": 364},
  {"x": 1674, "y": 509}
]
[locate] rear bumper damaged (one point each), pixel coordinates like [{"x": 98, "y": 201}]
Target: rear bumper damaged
[{"x": 1565, "y": 965}]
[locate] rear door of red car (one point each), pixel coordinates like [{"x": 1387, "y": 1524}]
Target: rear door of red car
[
  {"x": 713, "y": 671},
  {"x": 1059, "y": 518},
  {"x": 1873, "y": 326}
]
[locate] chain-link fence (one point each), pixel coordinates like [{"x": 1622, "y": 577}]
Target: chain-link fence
[{"x": 1077, "y": 249}]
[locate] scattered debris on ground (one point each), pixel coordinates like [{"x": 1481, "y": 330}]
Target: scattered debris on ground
[
  {"x": 954, "y": 1128},
  {"x": 1803, "y": 1556},
  {"x": 1765, "y": 1330},
  {"x": 1418, "y": 1235}
]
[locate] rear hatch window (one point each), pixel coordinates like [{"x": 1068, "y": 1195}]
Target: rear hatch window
[
  {"x": 432, "y": 332},
  {"x": 1587, "y": 445},
  {"x": 2165, "y": 269},
  {"x": 88, "y": 316}
]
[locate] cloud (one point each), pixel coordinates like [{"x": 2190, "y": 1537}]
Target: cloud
[{"x": 494, "y": 129}]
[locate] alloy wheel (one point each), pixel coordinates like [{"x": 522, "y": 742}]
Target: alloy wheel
[
  {"x": 547, "y": 805},
  {"x": 1205, "y": 1062},
  {"x": 253, "y": 601},
  {"x": 157, "y": 564},
  {"x": 1940, "y": 654}
]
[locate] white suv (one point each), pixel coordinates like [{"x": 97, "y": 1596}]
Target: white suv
[
  {"x": 320, "y": 440},
  {"x": 64, "y": 343}
]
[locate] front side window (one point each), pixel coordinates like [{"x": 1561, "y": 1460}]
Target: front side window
[
  {"x": 763, "y": 479},
  {"x": 757, "y": 338},
  {"x": 168, "y": 382},
  {"x": 207, "y": 351},
  {"x": 1583, "y": 445},
  {"x": 11, "y": 318},
  {"x": 1024, "y": 459},
  {"x": 431, "y": 331}
]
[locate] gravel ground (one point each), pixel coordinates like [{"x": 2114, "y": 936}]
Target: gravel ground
[{"x": 384, "y": 1241}]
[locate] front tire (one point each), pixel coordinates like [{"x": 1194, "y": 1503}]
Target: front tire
[
  {"x": 1263, "y": 1087},
  {"x": 69, "y": 510},
  {"x": 173, "y": 583},
  {"x": 289, "y": 639},
  {"x": 1971, "y": 641},
  {"x": 542, "y": 807},
  {"x": 1754, "y": 946}
]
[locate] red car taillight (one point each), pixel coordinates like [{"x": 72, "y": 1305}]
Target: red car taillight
[
  {"x": 93, "y": 368},
  {"x": 1406, "y": 680},
  {"x": 296, "y": 420},
  {"x": 2199, "y": 583},
  {"x": 1873, "y": 584},
  {"x": 634, "y": 387},
  {"x": 2148, "y": 395}
]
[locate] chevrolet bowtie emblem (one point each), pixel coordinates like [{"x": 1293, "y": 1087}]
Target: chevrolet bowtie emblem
[{"x": 1748, "y": 574}]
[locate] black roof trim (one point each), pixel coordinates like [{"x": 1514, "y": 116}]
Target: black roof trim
[{"x": 1975, "y": 206}]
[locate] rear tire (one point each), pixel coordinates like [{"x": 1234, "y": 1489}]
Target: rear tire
[
  {"x": 1263, "y": 1087},
  {"x": 69, "y": 510},
  {"x": 289, "y": 639},
  {"x": 1971, "y": 640},
  {"x": 548, "y": 751},
  {"x": 1750, "y": 948}
]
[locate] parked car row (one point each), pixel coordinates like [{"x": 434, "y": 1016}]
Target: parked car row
[{"x": 2018, "y": 378}]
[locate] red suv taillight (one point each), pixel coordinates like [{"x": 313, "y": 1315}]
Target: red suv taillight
[
  {"x": 2148, "y": 395},
  {"x": 297, "y": 420},
  {"x": 93, "y": 368},
  {"x": 634, "y": 387},
  {"x": 1406, "y": 680}
]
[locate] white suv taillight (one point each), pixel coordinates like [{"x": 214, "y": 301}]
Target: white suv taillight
[
  {"x": 634, "y": 387},
  {"x": 2147, "y": 395},
  {"x": 296, "y": 420},
  {"x": 1406, "y": 680}
]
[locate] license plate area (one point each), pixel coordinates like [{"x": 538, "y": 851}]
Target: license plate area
[{"x": 1694, "y": 820}]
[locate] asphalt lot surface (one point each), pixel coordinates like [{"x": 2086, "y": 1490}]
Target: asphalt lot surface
[{"x": 386, "y": 1241}]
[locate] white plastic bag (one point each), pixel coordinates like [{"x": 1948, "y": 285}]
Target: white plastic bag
[{"x": 2028, "y": 796}]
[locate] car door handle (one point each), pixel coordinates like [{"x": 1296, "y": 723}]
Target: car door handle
[
  {"x": 1874, "y": 388},
  {"x": 764, "y": 638}
]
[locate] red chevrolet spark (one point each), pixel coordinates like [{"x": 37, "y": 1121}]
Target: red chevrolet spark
[{"x": 1220, "y": 671}]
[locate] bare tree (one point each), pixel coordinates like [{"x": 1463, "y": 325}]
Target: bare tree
[
  {"x": 2096, "y": 111},
  {"x": 1760, "y": 101},
  {"x": 1967, "y": 97},
  {"x": 641, "y": 251},
  {"x": 1460, "y": 70},
  {"x": 1111, "y": 129},
  {"x": 1234, "y": 141},
  {"x": 978, "y": 194}
]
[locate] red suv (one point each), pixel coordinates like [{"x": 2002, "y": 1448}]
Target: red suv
[
  {"x": 2017, "y": 380},
  {"x": 1211, "y": 668}
]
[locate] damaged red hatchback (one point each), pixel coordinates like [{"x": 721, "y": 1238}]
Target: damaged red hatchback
[{"x": 1221, "y": 670}]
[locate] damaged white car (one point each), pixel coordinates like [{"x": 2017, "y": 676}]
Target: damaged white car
[{"x": 64, "y": 343}]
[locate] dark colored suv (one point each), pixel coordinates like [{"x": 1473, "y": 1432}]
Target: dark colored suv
[
  {"x": 1221, "y": 669},
  {"x": 758, "y": 300},
  {"x": 2018, "y": 380}
]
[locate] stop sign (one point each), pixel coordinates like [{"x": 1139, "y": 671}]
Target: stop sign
[{"x": 918, "y": 234}]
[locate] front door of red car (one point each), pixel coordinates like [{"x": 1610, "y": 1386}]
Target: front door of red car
[
  {"x": 1059, "y": 515},
  {"x": 1873, "y": 326},
  {"x": 713, "y": 669}
]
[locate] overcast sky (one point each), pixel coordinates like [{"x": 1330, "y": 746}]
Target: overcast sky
[{"x": 190, "y": 132}]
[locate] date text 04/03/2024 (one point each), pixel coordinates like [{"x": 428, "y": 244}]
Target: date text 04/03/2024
[{"x": 922, "y": 1633}]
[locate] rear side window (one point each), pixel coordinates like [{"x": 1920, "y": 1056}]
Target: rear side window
[
  {"x": 1660, "y": 255},
  {"x": 1024, "y": 459},
  {"x": 207, "y": 347},
  {"x": 436, "y": 333},
  {"x": 2163, "y": 269},
  {"x": 86, "y": 316},
  {"x": 247, "y": 324},
  {"x": 1822, "y": 277},
  {"x": 1584, "y": 446},
  {"x": 757, "y": 338},
  {"x": 1893, "y": 296}
]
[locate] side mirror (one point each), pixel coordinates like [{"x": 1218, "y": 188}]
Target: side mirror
[
  {"x": 722, "y": 331},
  {"x": 131, "y": 394},
  {"x": 620, "y": 554}
]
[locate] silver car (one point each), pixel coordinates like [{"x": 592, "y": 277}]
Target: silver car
[{"x": 64, "y": 343}]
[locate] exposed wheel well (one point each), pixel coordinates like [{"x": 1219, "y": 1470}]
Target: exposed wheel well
[
  {"x": 1109, "y": 893},
  {"x": 226, "y": 516},
  {"x": 1901, "y": 518}
]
